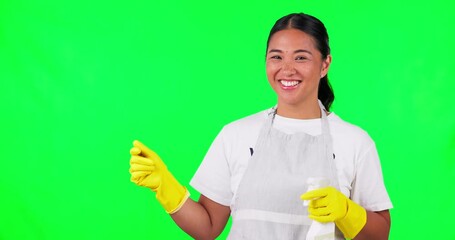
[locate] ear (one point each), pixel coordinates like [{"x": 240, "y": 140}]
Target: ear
[{"x": 326, "y": 65}]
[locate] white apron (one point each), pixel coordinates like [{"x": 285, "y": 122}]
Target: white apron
[{"x": 267, "y": 204}]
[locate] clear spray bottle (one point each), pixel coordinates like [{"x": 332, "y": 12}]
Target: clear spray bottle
[{"x": 319, "y": 231}]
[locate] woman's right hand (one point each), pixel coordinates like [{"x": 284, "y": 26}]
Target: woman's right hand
[
  {"x": 148, "y": 170},
  {"x": 205, "y": 219},
  {"x": 146, "y": 167}
]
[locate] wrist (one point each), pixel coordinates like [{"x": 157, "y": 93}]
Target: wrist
[
  {"x": 171, "y": 194},
  {"x": 180, "y": 205},
  {"x": 354, "y": 220}
]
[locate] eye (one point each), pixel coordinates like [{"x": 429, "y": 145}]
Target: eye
[
  {"x": 300, "y": 58},
  {"x": 275, "y": 57}
]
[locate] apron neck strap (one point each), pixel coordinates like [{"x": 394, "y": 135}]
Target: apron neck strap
[{"x": 324, "y": 122}]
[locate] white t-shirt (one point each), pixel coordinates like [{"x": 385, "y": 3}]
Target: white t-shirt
[{"x": 359, "y": 169}]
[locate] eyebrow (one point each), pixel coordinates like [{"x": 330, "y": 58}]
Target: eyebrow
[{"x": 296, "y": 51}]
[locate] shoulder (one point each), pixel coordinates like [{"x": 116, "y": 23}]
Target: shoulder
[
  {"x": 246, "y": 125},
  {"x": 350, "y": 141},
  {"x": 349, "y": 132},
  {"x": 240, "y": 136}
]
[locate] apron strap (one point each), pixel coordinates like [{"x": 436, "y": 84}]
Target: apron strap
[{"x": 329, "y": 145}]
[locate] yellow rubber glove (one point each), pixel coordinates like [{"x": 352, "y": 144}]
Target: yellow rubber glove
[
  {"x": 148, "y": 170},
  {"x": 329, "y": 205}
]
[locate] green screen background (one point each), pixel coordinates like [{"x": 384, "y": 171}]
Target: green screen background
[{"x": 80, "y": 80}]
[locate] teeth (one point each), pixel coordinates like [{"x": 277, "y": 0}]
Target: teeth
[{"x": 289, "y": 83}]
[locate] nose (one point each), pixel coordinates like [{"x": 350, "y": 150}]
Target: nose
[{"x": 288, "y": 68}]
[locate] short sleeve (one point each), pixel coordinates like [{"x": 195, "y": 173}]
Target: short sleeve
[
  {"x": 368, "y": 188},
  {"x": 212, "y": 179}
]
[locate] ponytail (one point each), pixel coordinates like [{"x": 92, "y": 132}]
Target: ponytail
[{"x": 325, "y": 93}]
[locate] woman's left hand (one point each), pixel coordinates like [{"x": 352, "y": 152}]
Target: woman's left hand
[{"x": 330, "y": 205}]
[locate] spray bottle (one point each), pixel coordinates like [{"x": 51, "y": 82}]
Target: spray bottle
[{"x": 319, "y": 231}]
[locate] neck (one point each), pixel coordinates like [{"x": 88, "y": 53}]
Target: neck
[{"x": 306, "y": 110}]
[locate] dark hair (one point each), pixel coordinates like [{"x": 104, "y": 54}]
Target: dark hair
[{"x": 315, "y": 28}]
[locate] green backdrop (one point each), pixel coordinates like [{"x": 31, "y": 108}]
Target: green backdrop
[{"x": 80, "y": 80}]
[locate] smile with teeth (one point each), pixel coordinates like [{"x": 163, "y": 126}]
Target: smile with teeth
[{"x": 289, "y": 83}]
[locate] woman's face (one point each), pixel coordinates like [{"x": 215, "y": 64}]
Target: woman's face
[{"x": 294, "y": 67}]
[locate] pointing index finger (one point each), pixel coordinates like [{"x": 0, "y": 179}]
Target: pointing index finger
[{"x": 144, "y": 150}]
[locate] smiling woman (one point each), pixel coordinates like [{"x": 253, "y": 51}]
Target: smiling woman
[
  {"x": 294, "y": 69},
  {"x": 261, "y": 168}
]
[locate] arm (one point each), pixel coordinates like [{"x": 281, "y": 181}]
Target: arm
[
  {"x": 204, "y": 219},
  {"x": 369, "y": 189},
  {"x": 377, "y": 226},
  {"x": 330, "y": 205}
]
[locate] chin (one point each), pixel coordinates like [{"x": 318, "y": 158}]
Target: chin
[{"x": 287, "y": 101}]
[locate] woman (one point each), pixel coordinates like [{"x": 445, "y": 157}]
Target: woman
[{"x": 258, "y": 167}]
